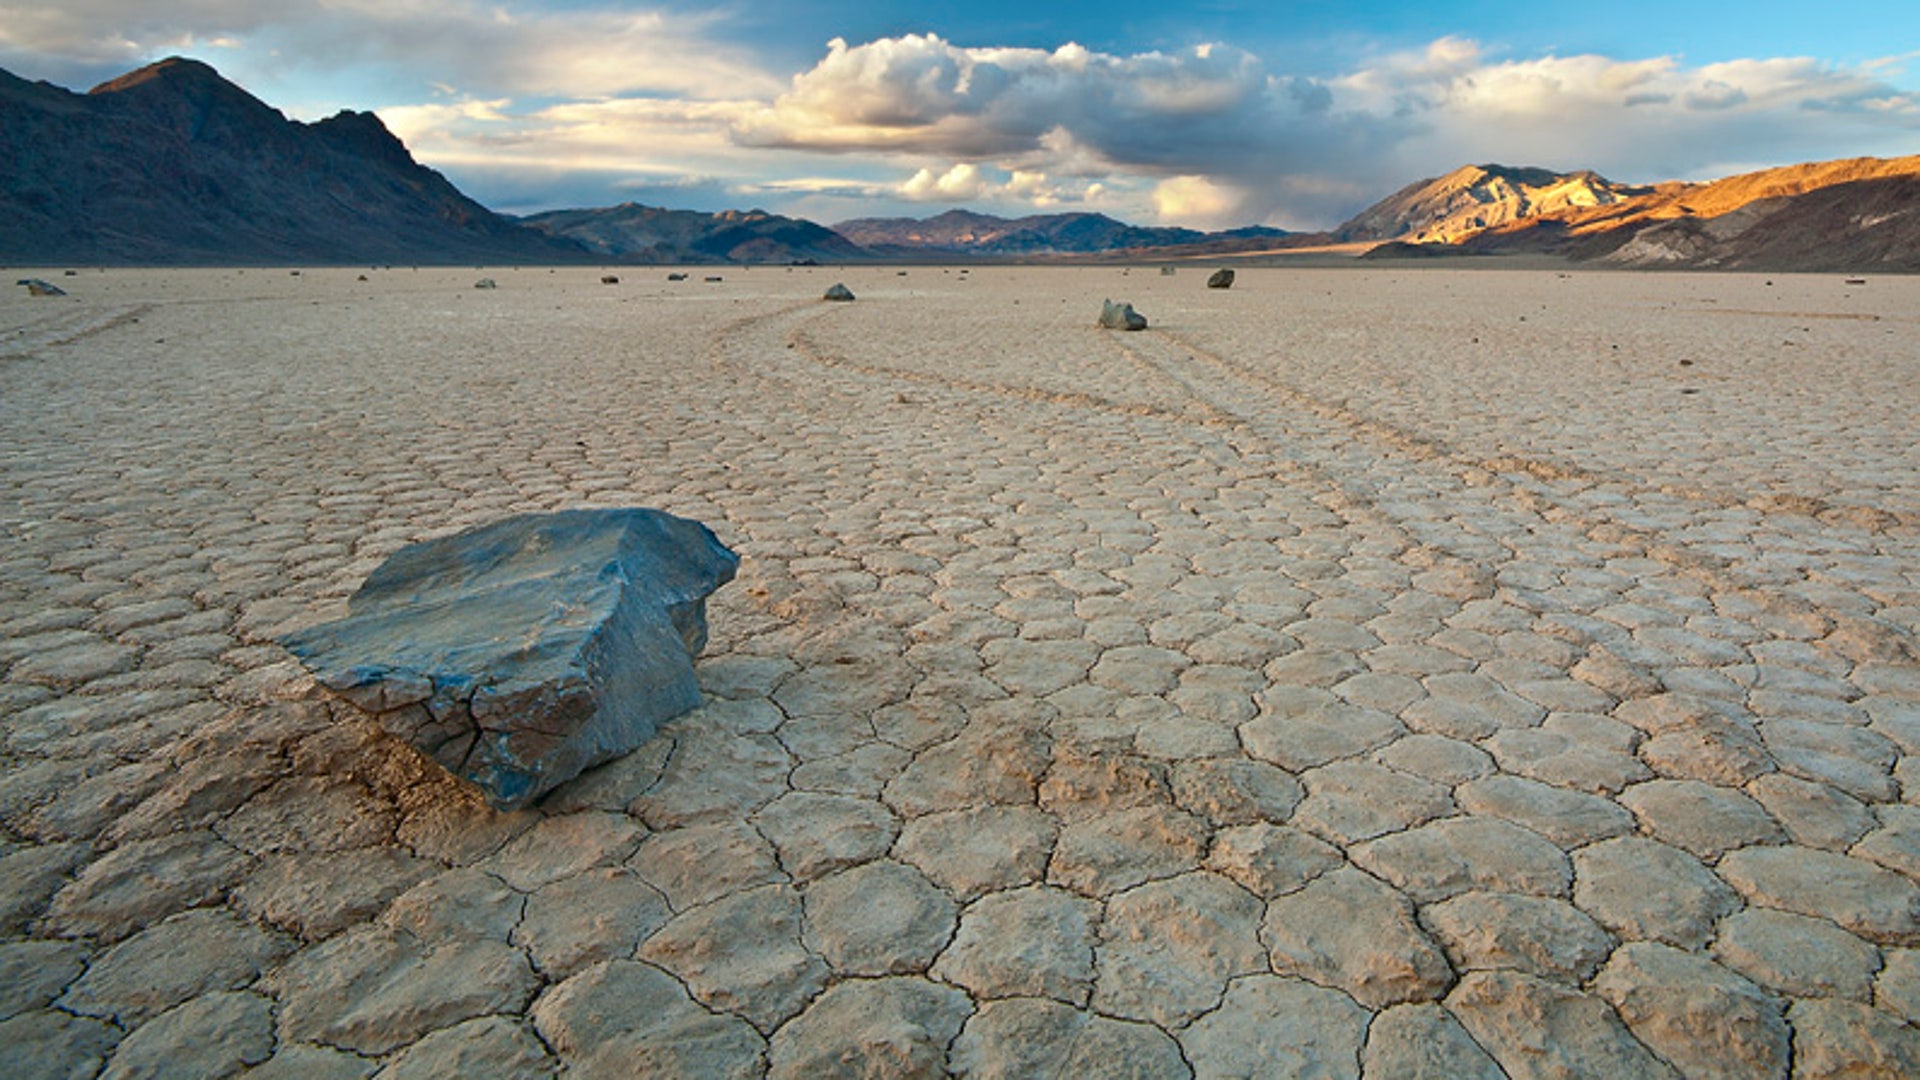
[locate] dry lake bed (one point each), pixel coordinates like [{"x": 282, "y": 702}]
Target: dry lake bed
[{"x": 1370, "y": 671}]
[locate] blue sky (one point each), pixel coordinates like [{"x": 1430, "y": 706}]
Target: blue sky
[{"x": 1213, "y": 113}]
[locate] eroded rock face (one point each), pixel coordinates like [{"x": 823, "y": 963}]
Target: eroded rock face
[{"x": 521, "y": 653}]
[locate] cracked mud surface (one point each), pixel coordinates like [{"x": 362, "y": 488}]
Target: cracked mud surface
[{"x": 1358, "y": 673}]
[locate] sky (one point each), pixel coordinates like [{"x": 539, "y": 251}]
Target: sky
[{"x": 1209, "y": 114}]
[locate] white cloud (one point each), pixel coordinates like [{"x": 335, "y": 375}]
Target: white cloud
[
  {"x": 1644, "y": 120},
  {"x": 1196, "y": 200},
  {"x": 1019, "y": 190},
  {"x": 961, "y": 183},
  {"x": 655, "y": 136}
]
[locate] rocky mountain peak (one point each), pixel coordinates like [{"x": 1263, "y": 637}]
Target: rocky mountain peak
[
  {"x": 1477, "y": 197},
  {"x": 186, "y": 88},
  {"x": 172, "y": 163},
  {"x": 176, "y": 73}
]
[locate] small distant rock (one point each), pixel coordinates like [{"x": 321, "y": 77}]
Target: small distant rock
[
  {"x": 716, "y": 278},
  {"x": 676, "y": 277},
  {"x": 1166, "y": 271},
  {"x": 36, "y": 287},
  {"x": 838, "y": 292},
  {"x": 1121, "y": 317},
  {"x": 362, "y": 277},
  {"x": 486, "y": 283},
  {"x": 609, "y": 279},
  {"x": 1221, "y": 279}
]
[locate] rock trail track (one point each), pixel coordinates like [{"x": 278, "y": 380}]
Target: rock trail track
[{"x": 1355, "y": 674}]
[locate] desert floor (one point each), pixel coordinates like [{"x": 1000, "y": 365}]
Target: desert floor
[{"x": 1386, "y": 672}]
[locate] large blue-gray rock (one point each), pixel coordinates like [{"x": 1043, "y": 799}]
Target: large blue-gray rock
[{"x": 520, "y": 653}]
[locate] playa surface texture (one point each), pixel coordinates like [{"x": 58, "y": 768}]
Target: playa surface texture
[{"x": 1360, "y": 672}]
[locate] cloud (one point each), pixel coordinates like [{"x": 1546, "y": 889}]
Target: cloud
[
  {"x": 511, "y": 48},
  {"x": 1019, "y": 190},
  {"x": 920, "y": 94},
  {"x": 1196, "y": 199},
  {"x": 117, "y": 30},
  {"x": 663, "y": 133},
  {"x": 1655, "y": 119},
  {"x": 1210, "y": 134},
  {"x": 958, "y": 184},
  {"x": 1714, "y": 94},
  {"x": 1212, "y": 114}
]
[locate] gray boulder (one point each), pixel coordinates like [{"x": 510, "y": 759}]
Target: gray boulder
[
  {"x": 519, "y": 654},
  {"x": 37, "y": 287},
  {"x": 1221, "y": 279},
  {"x": 838, "y": 292},
  {"x": 486, "y": 283},
  {"x": 1121, "y": 317}
]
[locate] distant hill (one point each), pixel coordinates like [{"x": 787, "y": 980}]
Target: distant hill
[
  {"x": 963, "y": 233},
  {"x": 1476, "y": 197},
  {"x": 1855, "y": 214},
  {"x": 173, "y": 164},
  {"x": 634, "y": 233}
]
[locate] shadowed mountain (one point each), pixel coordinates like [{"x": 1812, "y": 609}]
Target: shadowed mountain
[
  {"x": 1855, "y": 214},
  {"x": 634, "y": 233},
  {"x": 174, "y": 164},
  {"x": 963, "y": 233},
  {"x": 1857, "y": 225}
]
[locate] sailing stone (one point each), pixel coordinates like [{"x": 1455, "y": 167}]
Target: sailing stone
[{"x": 521, "y": 653}]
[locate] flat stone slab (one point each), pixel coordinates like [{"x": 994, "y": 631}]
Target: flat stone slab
[
  {"x": 1695, "y": 1014},
  {"x": 521, "y": 653}
]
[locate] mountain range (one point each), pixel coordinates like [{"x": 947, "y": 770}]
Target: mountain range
[
  {"x": 646, "y": 234},
  {"x": 968, "y": 234},
  {"x": 172, "y": 164},
  {"x": 1851, "y": 215}
]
